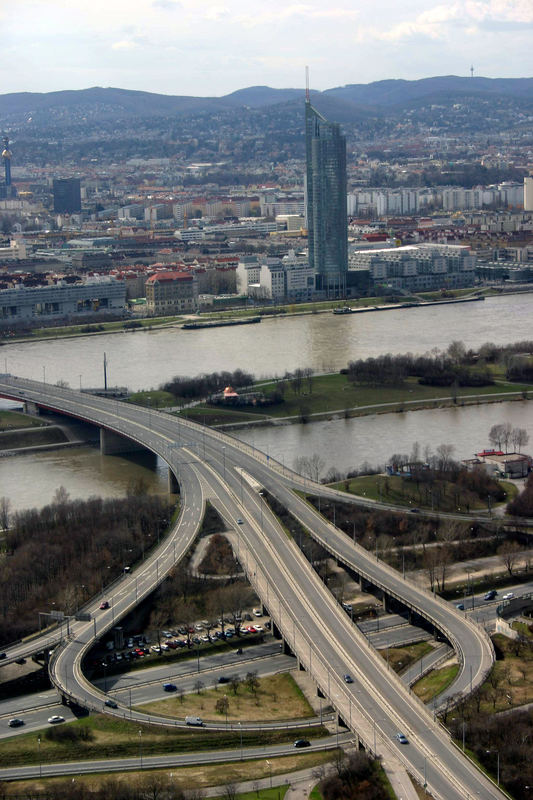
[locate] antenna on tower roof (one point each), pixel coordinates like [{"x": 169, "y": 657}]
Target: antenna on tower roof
[
  {"x": 307, "y": 85},
  {"x": 472, "y": 71}
]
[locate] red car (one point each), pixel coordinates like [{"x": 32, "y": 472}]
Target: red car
[
  {"x": 251, "y": 629},
  {"x": 104, "y": 605}
]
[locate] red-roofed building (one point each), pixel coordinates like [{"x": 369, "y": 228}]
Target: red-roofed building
[{"x": 171, "y": 293}]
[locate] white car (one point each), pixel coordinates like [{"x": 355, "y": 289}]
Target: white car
[
  {"x": 508, "y": 596},
  {"x": 155, "y": 648},
  {"x": 55, "y": 719},
  {"x": 257, "y": 612}
]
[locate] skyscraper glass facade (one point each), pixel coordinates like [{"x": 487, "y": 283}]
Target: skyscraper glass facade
[{"x": 327, "y": 222}]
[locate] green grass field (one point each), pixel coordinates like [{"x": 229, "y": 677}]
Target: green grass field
[
  {"x": 435, "y": 682},
  {"x": 334, "y": 393},
  {"x": 398, "y": 491},
  {"x": 12, "y": 420},
  {"x": 114, "y": 738}
]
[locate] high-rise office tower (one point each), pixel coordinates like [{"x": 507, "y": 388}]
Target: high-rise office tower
[
  {"x": 327, "y": 222},
  {"x": 528, "y": 193},
  {"x": 67, "y": 195}
]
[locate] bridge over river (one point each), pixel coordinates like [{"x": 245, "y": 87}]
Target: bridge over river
[{"x": 214, "y": 466}]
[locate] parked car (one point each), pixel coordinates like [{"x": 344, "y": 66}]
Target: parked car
[
  {"x": 223, "y": 679},
  {"x": 460, "y": 606},
  {"x": 302, "y": 743}
]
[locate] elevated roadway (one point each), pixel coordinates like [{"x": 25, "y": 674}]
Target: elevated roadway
[{"x": 376, "y": 704}]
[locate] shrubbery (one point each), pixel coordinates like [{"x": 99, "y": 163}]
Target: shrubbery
[{"x": 204, "y": 385}]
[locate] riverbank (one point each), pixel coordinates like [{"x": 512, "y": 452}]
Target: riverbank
[
  {"x": 378, "y": 303},
  {"x": 332, "y": 396}
]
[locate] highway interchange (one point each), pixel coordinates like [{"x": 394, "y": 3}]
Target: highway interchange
[{"x": 212, "y": 466}]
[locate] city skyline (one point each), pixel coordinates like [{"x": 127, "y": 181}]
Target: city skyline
[{"x": 177, "y": 47}]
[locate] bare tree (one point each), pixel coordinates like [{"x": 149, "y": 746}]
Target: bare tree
[
  {"x": 222, "y": 705},
  {"x": 507, "y": 435},
  {"x": 520, "y": 438},
  {"x": 252, "y": 681},
  {"x": 496, "y": 436},
  {"x": 5, "y": 511},
  {"x": 155, "y": 785},
  {"x": 61, "y": 497},
  {"x": 308, "y": 375},
  {"x": 230, "y": 790},
  {"x": 444, "y": 453},
  {"x": 316, "y": 466},
  {"x": 456, "y": 351},
  {"x": 508, "y": 553}
]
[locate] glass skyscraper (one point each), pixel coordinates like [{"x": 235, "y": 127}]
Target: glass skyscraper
[{"x": 327, "y": 222}]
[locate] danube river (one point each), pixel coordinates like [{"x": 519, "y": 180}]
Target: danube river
[
  {"x": 325, "y": 342},
  {"x": 322, "y": 341}
]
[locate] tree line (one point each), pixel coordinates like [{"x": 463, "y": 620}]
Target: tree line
[
  {"x": 437, "y": 370},
  {"x": 456, "y": 365},
  {"x": 152, "y": 786}
]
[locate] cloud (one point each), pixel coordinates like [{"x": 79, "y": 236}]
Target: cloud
[
  {"x": 124, "y": 44},
  {"x": 302, "y": 11},
  {"x": 167, "y": 5},
  {"x": 436, "y": 22}
]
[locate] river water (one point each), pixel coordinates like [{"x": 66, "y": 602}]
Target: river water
[
  {"x": 325, "y": 342},
  {"x": 322, "y": 341},
  {"x": 345, "y": 444}
]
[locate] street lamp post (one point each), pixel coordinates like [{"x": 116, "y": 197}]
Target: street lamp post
[
  {"x": 240, "y": 731},
  {"x": 224, "y": 462},
  {"x": 261, "y": 506},
  {"x": 270, "y": 768},
  {"x": 141, "y": 747},
  {"x": 40, "y": 762},
  {"x": 497, "y": 764}
]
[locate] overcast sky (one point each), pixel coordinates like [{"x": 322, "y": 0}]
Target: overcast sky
[{"x": 201, "y": 47}]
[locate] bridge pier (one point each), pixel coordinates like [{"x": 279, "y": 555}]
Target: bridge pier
[
  {"x": 112, "y": 443},
  {"x": 173, "y": 486},
  {"x": 31, "y": 408}
]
